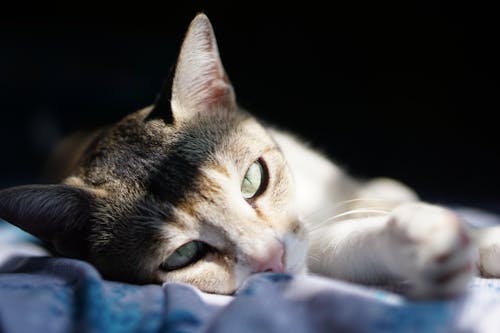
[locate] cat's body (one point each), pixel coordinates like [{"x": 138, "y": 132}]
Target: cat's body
[{"x": 196, "y": 190}]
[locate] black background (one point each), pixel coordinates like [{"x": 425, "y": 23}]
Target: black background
[{"x": 402, "y": 89}]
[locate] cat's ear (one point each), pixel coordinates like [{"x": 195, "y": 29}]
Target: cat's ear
[
  {"x": 200, "y": 83},
  {"x": 57, "y": 214}
]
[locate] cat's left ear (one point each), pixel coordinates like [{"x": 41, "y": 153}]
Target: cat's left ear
[
  {"x": 56, "y": 214},
  {"x": 200, "y": 83}
]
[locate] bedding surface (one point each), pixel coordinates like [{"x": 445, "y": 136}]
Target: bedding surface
[{"x": 39, "y": 293}]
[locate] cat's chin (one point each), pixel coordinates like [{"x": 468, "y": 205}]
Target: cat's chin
[
  {"x": 293, "y": 272},
  {"x": 297, "y": 269}
]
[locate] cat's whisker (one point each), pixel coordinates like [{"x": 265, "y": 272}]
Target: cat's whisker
[
  {"x": 359, "y": 211},
  {"x": 343, "y": 203},
  {"x": 314, "y": 258}
]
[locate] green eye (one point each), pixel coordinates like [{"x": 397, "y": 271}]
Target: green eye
[
  {"x": 253, "y": 181},
  {"x": 185, "y": 255}
]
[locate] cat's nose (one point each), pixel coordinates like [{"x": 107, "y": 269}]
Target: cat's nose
[{"x": 273, "y": 260}]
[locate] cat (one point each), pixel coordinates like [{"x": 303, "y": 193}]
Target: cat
[{"x": 194, "y": 189}]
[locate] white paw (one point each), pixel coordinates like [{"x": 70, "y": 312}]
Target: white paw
[{"x": 432, "y": 250}]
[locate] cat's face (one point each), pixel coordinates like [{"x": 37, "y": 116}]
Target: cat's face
[
  {"x": 206, "y": 202},
  {"x": 191, "y": 190}
]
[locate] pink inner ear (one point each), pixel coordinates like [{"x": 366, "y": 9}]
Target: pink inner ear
[
  {"x": 219, "y": 91},
  {"x": 216, "y": 88},
  {"x": 208, "y": 88}
]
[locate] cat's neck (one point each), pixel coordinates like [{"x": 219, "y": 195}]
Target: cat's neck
[{"x": 311, "y": 169}]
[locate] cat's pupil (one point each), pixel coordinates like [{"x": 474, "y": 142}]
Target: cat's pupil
[
  {"x": 252, "y": 181},
  {"x": 184, "y": 255}
]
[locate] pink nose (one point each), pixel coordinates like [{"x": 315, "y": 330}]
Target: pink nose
[{"x": 272, "y": 261}]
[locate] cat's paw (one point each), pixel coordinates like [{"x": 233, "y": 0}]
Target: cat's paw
[{"x": 431, "y": 250}]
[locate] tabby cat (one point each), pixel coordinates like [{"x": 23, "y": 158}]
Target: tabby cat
[{"x": 194, "y": 189}]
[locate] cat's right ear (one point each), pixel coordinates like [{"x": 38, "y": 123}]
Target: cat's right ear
[
  {"x": 57, "y": 214},
  {"x": 199, "y": 83}
]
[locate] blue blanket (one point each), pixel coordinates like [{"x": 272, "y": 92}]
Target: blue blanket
[{"x": 47, "y": 294}]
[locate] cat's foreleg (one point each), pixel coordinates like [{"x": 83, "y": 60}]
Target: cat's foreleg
[{"x": 421, "y": 244}]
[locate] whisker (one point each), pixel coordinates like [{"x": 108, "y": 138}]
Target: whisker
[
  {"x": 343, "y": 203},
  {"x": 357, "y": 211},
  {"x": 367, "y": 210},
  {"x": 313, "y": 258}
]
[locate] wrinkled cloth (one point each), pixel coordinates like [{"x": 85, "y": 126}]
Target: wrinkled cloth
[{"x": 48, "y": 294}]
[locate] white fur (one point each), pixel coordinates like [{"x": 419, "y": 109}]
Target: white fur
[
  {"x": 318, "y": 181},
  {"x": 386, "y": 238}
]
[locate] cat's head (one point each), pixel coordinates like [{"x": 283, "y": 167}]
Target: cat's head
[{"x": 192, "y": 189}]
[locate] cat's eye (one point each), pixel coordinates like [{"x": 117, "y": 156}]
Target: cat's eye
[
  {"x": 185, "y": 255},
  {"x": 254, "y": 181}
]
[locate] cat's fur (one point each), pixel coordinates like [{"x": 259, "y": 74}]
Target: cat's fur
[{"x": 168, "y": 174}]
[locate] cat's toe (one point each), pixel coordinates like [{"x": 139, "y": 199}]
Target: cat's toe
[
  {"x": 489, "y": 253},
  {"x": 444, "y": 275}
]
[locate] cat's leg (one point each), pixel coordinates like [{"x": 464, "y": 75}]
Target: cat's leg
[{"x": 421, "y": 244}]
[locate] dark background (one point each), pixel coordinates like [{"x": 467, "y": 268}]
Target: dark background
[{"x": 403, "y": 89}]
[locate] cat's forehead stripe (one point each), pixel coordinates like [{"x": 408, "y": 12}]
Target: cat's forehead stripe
[{"x": 179, "y": 169}]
